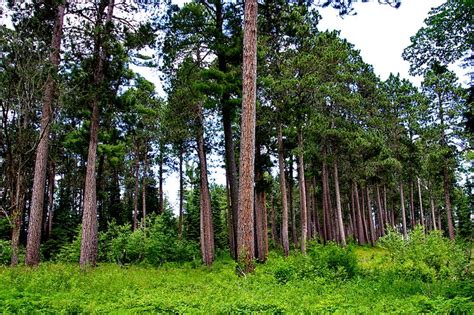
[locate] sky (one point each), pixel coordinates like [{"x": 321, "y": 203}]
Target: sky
[{"x": 380, "y": 32}]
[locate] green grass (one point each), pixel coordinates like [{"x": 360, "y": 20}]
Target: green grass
[{"x": 189, "y": 288}]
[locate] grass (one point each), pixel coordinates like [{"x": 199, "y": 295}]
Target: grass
[{"x": 191, "y": 288}]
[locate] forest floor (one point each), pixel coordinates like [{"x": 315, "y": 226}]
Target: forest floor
[{"x": 191, "y": 288}]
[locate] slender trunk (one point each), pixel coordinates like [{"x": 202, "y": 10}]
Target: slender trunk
[
  {"x": 302, "y": 186},
  {"x": 364, "y": 217},
  {"x": 404, "y": 218},
  {"x": 433, "y": 216},
  {"x": 338, "y": 205},
  {"x": 206, "y": 228},
  {"x": 260, "y": 228},
  {"x": 412, "y": 206},
  {"x": 89, "y": 242},
  {"x": 381, "y": 216},
  {"x": 144, "y": 183},
  {"x": 420, "y": 199},
  {"x": 386, "y": 212},
  {"x": 273, "y": 220},
  {"x": 370, "y": 217},
  {"x": 17, "y": 215},
  {"x": 315, "y": 205},
  {"x": 245, "y": 235},
  {"x": 290, "y": 202},
  {"x": 36, "y": 213},
  {"x": 309, "y": 209},
  {"x": 51, "y": 199},
  {"x": 161, "y": 201},
  {"x": 181, "y": 193},
  {"x": 135, "y": 194},
  {"x": 284, "y": 201},
  {"x": 447, "y": 199}
]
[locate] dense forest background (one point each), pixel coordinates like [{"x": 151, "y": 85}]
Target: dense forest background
[{"x": 328, "y": 152}]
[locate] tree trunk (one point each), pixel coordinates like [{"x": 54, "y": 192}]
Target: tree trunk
[
  {"x": 447, "y": 199},
  {"x": 89, "y": 242},
  {"x": 261, "y": 229},
  {"x": 273, "y": 220},
  {"x": 370, "y": 217},
  {"x": 135, "y": 194},
  {"x": 36, "y": 213},
  {"x": 161, "y": 201},
  {"x": 420, "y": 199},
  {"x": 284, "y": 201},
  {"x": 181, "y": 193},
  {"x": 294, "y": 236},
  {"x": 338, "y": 205},
  {"x": 381, "y": 215},
  {"x": 17, "y": 215},
  {"x": 144, "y": 182},
  {"x": 302, "y": 186},
  {"x": 51, "y": 199},
  {"x": 404, "y": 218},
  {"x": 433, "y": 216},
  {"x": 245, "y": 240},
  {"x": 412, "y": 206},
  {"x": 206, "y": 227}
]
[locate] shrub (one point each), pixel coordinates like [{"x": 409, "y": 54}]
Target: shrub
[
  {"x": 425, "y": 256},
  {"x": 5, "y": 252}
]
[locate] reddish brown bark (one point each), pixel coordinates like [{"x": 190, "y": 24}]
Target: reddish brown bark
[
  {"x": 89, "y": 242},
  {"x": 36, "y": 214},
  {"x": 245, "y": 235},
  {"x": 370, "y": 217},
  {"x": 302, "y": 187},
  {"x": 360, "y": 227},
  {"x": 447, "y": 200}
]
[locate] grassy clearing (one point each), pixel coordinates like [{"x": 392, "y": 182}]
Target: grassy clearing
[{"x": 190, "y": 288}]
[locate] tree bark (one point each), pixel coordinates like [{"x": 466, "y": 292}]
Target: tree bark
[
  {"x": 433, "y": 216},
  {"x": 404, "y": 218},
  {"x": 17, "y": 215},
  {"x": 206, "y": 227},
  {"x": 294, "y": 236},
  {"x": 273, "y": 220},
  {"x": 51, "y": 199},
  {"x": 447, "y": 199},
  {"x": 161, "y": 201},
  {"x": 135, "y": 194},
  {"x": 144, "y": 182},
  {"x": 420, "y": 199},
  {"x": 245, "y": 235},
  {"x": 284, "y": 201},
  {"x": 39, "y": 180},
  {"x": 370, "y": 217},
  {"x": 412, "y": 206},
  {"x": 181, "y": 193},
  {"x": 342, "y": 234},
  {"x": 380, "y": 216},
  {"x": 89, "y": 242},
  {"x": 302, "y": 186}
]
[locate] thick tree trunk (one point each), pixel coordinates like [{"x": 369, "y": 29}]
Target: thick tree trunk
[
  {"x": 245, "y": 235},
  {"x": 447, "y": 200},
  {"x": 284, "y": 201},
  {"x": 206, "y": 227},
  {"x": 404, "y": 218},
  {"x": 181, "y": 193},
  {"x": 420, "y": 200},
  {"x": 342, "y": 234},
  {"x": 302, "y": 186},
  {"x": 89, "y": 242},
  {"x": 37, "y": 201}
]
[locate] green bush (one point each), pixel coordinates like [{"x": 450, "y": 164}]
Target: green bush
[
  {"x": 5, "y": 252},
  {"x": 153, "y": 244},
  {"x": 425, "y": 256},
  {"x": 322, "y": 261}
]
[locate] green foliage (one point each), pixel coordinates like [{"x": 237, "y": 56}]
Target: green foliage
[
  {"x": 322, "y": 261},
  {"x": 5, "y": 252},
  {"x": 154, "y": 244},
  {"x": 425, "y": 256},
  {"x": 188, "y": 288}
]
